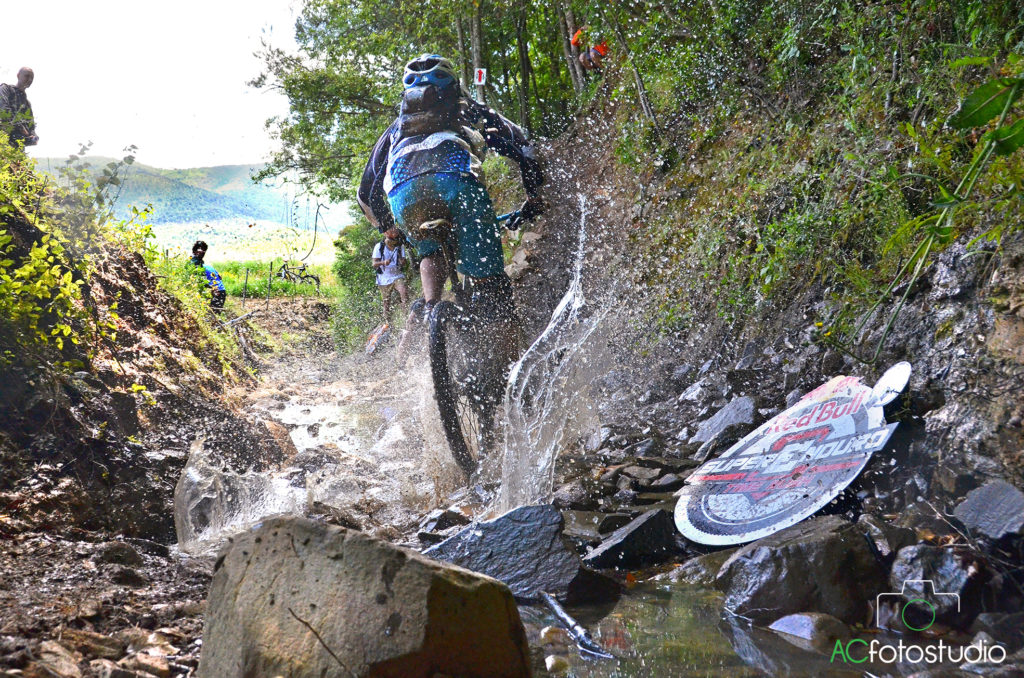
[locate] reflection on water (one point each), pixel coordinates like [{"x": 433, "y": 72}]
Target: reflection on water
[
  {"x": 678, "y": 631},
  {"x": 665, "y": 631}
]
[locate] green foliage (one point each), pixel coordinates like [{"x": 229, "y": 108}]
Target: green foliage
[
  {"x": 233, "y": 274},
  {"x": 46, "y": 234}
]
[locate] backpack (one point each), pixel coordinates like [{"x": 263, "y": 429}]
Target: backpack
[{"x": 429, "y": 109}]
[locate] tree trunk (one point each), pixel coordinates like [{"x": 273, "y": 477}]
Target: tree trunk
[
  {"x": 571, "y": 61},
  {"x": 476, "y": 37},
  {"x": 641, "y": 90},
  {"x": 464, "y": 56},
  {"x": 524, "y": 69}
]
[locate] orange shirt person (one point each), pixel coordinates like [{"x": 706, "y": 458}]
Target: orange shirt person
[{"x": 590, "y": 57}]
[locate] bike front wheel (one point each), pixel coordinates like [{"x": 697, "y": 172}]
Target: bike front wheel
[{"x": 468, "y": 384}]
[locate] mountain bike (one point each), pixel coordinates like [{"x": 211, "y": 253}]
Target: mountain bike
[
  {"x": 298, "y": 275},
  {"x": 466, "y": 356}
]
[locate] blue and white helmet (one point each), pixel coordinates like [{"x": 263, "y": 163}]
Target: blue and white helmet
[{"x": 429, "y": 69}]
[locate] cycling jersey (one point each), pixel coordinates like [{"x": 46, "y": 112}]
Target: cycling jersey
[{"x": 396, "y": 159}]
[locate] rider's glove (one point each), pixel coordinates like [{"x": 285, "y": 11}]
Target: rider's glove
[{"x": 530, "y": 209}]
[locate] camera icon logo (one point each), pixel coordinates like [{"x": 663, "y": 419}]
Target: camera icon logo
[{"x": 915, "y": 599}]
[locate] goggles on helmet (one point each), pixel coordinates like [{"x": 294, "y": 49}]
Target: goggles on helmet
[{"x": 429, "y": 69}]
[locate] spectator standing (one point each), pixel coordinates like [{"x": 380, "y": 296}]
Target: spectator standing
[
  {"x": 16, "y": 117},
  {"x": 218, "y": 293},
  {"x": 389, "y": 259}
]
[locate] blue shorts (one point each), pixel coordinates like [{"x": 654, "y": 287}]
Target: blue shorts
[{"x": 466, "y": 200}]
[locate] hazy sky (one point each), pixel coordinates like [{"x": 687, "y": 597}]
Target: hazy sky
[{"x": 168, "y": 77}]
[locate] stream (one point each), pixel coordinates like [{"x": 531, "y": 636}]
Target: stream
[{"x": 368, "y": 445}]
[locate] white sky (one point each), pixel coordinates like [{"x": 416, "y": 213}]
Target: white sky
[{"x": 168, "y": 77}]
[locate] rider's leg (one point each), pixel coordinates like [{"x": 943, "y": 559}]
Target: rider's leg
[{"x": 433, "y": 273}]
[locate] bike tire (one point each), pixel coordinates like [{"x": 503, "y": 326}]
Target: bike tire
[{"x": 465, "y": 401}]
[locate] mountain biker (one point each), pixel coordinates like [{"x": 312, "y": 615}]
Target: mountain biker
[{"x": 426, "y": 166}]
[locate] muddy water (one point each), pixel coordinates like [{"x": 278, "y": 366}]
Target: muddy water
[
  {"x": 669, "y": 632},
  {"x": 366, "y": 440}
]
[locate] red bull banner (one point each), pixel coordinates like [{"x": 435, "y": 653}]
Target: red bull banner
[{"x": 792, "y": 465}]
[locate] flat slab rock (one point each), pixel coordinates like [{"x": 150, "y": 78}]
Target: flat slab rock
[
  {"x": 995, "y": 509},
  {"x": 526, "y": 550},
  {"x": 648, "y": 538},
  {"x": 302, "y": 599}
]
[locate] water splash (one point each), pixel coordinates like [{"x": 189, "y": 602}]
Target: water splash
[{"x": 545, "y": 399}]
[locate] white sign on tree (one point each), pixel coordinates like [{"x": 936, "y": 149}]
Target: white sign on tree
[{"x": 480, "y": 77}]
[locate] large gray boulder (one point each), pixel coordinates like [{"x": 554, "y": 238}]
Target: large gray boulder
[
  {"x": 297, "y": 598},
  {"x": 525, "y": 549},
  {"x": 995, "y": 510},
  {"x": 820, "y": 565}
]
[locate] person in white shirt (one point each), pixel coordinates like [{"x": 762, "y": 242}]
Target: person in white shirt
[{"x": 389, "y": 262}]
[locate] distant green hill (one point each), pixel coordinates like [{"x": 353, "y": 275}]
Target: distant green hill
[{"x": 206, "y": 194}]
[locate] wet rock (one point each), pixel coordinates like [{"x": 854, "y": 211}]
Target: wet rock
[
  {"x": 668, "y": 482},
  {"x": 125, "y": 412},
  {"x": 681, "y": 373},
  {"x": 885, "y": 537},
  {"x": 525, "y": 549},
  {"x": 1007, "y": 629},
  {"x": 592, "y": 525},
  {"x": 127, "y": 576},
  {"x": 811, "y": 631},
  {"x": 644, "y": 448},
  {"x": 793, "y": 397},
  {"x": 729, "y": 424},
  {"x": 291, "y": 588},
  {"x": 641, "y": 472},
  {"x": 995, "y": 510},
  {"x": 625, "y": 496},
  {"x": 556, "y": 664},
  {"x": 820, "y": 565},
  {"x": 119, "y": 553},
  {"x": 699, "y": 571},
  {"x": 151, "y": 547},
  {"x": 442, "y": 519},
  {"x": 574, "y": 495},
  {"x": 647, "y": 539},
  {"x": 949, "y": 579}
]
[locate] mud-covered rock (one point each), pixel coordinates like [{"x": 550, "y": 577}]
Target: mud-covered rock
[
  {"x": 647, "y": 539},
  {"x": 526, "y": 550},
  {"x": 297, "y": 598},
  {"x": 820, "y": 565}
]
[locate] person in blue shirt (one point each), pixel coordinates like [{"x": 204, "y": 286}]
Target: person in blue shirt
[{"x": 218, "y": 293}]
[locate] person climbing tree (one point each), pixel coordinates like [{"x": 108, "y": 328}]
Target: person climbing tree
[{"x": 590, "y": 57}]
